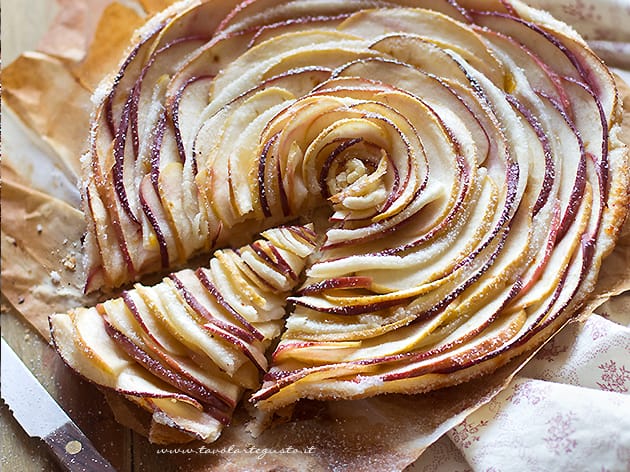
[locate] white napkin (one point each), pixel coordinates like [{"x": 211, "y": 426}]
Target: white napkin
[{"x": 568, "y": 410}]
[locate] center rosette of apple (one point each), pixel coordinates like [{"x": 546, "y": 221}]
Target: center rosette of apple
[
  {"x": 354, "y": 171},
  {"x": 358, "y": 188},
  {"x": 353, "y": 145}
]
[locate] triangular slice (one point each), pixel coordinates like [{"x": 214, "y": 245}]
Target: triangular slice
[{"x": 186, "y": 348}]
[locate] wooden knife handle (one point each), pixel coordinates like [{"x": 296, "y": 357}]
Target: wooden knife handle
[{"x": 74, "y": 451}]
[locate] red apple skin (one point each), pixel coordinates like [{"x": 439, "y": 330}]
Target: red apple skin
[
  {"x": 350, "y": 310},
  {"x": 109, "y": 112},
  {"x": 240, "y": 333},
  {"x": 119, "y": 162},
  {"x": 288, "y": 346},
  {"x": 551, "y": 241},
  {"x": 306, "y": 20},
  {"x": 147, "y": 203},
  {"x": 215, "y": 407},
  {"x": 172, "y": 107},
  {"x": 544, "y": 141},
  {"x": 336, "y": 283},
  {"x": 246, "y": 349},
  {"x": 262, "y": 161},
  {"x": 276, "y": 262},
  {"x": 203, "y": 278}
]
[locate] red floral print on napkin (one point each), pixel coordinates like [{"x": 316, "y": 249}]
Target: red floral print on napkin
[
  {"x": 614, "y": 377},
  {"x": 559, "y": 433}
]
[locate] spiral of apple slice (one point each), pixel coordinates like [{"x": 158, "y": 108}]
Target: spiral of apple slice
[
  {"x": 467, "y": 154},
  {"x": 186, "y": 348}
]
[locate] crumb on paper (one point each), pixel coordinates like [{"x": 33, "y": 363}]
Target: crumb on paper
[
  {"x": 70, "y": 262},
  {"x": 55, "y": 277},
  {"x": 20, "y": 300},
  {"x": 39, "y": 228},
  {"x": 11, "y": 240}
]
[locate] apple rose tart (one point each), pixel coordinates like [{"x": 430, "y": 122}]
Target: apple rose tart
[{"x": 465, "y": 156}]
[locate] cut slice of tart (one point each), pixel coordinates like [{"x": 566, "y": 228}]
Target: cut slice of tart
[{"x": 186, "y": 348}]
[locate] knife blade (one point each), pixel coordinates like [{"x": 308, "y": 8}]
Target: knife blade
[{"x": 41, "y": 417}]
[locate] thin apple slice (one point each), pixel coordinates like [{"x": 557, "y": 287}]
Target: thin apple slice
[
  {"x": 431, "y": 26},
  {"x": 184, "y": 327},
  {"x": 559, "y": 258},
  {"x": 250, "y": 14},
  {"x": 65, "y": 338},
  {"x": 111, "y": 94},
  {"x": 326, "y": 55},
  {"x": 159, "y": 228},
  {"x": 84, "y": 345},
  {"x": 293, "y": 25},
  {"x": 198, "y": 424},
  {"x": 171, "y": 188}
]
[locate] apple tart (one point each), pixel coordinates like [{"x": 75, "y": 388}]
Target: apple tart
[{"x": 466, "y": 156}]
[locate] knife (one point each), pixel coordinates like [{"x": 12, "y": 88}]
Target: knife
[{"x": 41, "y": 417}]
